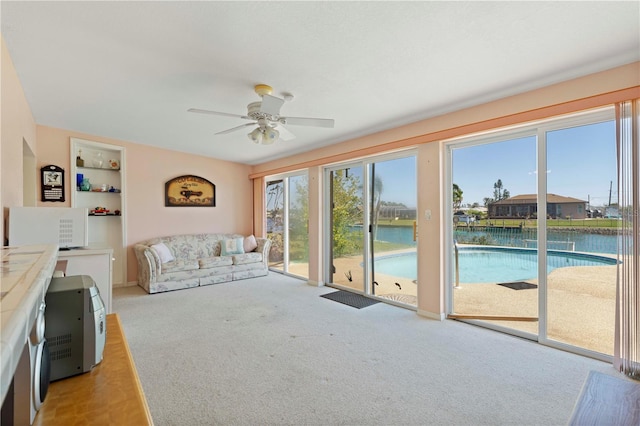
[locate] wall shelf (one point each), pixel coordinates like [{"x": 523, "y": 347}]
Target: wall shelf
[
  {"x": 97, "y": 168},
  {"x": 108, "y": 233}
]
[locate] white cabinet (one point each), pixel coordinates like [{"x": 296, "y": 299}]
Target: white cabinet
[
  {"x": 102, "y": 166},
  {"x": 95, "y": 262}
]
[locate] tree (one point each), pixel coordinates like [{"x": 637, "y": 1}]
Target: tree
[
  {"x": 275, "y": 200},
  {"x": 275, "y": 210},
  {"x": 347, "y": 211},
  {"x": 499, "y": 192},
  {"x": 457, "y": 196},
  {"x": 299, "y": 220}
]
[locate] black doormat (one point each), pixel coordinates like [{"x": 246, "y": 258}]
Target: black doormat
[
  {"x": 519, "y": 285},
  {"x": 351, "y": 299}
]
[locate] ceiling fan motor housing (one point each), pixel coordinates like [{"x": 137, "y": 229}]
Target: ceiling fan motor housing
[{"x": 255, "y": 113}]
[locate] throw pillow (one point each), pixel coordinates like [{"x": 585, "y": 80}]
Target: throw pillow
[
  {"x": 250, "y": 243},
  {"x": 163, "y": 252},
  {"x": 232, "y": 246}
]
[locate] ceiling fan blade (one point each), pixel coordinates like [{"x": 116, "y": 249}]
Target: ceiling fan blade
[
  {"x": 233, "y": 129},
  {"x": 285, "y": 134},
  {"x": 271, "y": 105},
  {"x": 307, "y": 121},
  {"x": 226, "y": 114}
]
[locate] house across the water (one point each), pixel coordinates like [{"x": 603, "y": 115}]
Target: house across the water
[{"x": 526, "y": 206}]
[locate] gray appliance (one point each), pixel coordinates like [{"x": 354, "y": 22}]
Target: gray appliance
[{"x": 75, "y": 326}]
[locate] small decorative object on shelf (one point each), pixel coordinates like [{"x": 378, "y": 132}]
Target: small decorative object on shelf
[
  {"x": 100, "y": 211},
  {"x": 114, "y": 164},
  {"x": 85, "y": 185},
  {"x": 79, "y": 160},
  {"x": 98, "y": 160}
]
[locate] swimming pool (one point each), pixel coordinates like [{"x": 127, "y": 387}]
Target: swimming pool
[{"x": 493, "y": 264}]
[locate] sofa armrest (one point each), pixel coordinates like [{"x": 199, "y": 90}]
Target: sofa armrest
[
  {"x": 148, "y": 266},
  {"x": 264, "y": 246}
]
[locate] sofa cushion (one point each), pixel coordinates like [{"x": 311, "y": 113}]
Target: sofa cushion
[
  {"x": 214, "y": 262},
  {"x": 241, "y": 259},
  {"x": 163, "y": 252},
  {"x": 232, "y": 246},
  {"x": 250, "y": 243},
  {"x": 192, "y": 246},
  {"x": 179, "y": 265}
]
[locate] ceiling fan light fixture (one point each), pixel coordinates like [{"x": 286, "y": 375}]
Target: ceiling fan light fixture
[
  {"x": 269, "y": 136},
  {"x": 255, "y": 135}
]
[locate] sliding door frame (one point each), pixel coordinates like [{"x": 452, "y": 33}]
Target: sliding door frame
[
  {"x": 328, "y": 226},
  {"x": 539, "y": 129},
  {"x": 367, "y": 186},
  {"x": 285, "y": 178}
]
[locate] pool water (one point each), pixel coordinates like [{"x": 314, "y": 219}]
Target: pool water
[{"x": 493, "y": 265}]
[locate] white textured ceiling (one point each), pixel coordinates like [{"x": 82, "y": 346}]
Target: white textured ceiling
[{"x": 130, "y": 70}]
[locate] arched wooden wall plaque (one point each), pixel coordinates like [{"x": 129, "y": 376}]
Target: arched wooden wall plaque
[{"x": 189, "y": 191}]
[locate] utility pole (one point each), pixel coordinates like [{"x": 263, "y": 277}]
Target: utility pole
[{"x": 610, "y": 187}]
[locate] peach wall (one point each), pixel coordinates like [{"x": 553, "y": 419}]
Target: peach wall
[
  {"x": 259, "y": 206},
  {"x": 146, "y": 170},
  {"x": 17, "y": 125},
  {"x": 430, "y": 251}
]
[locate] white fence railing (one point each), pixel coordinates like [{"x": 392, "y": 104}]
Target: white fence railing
[{"x": 552, "y": 245}]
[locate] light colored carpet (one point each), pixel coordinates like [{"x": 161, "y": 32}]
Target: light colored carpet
[{"x": 270, "y": 351}]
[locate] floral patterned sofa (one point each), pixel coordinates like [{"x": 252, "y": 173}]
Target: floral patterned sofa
[{"x": 183, "y": 261}]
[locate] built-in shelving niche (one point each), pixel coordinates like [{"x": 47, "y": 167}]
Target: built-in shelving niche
[{"x": 103, "y": 164}]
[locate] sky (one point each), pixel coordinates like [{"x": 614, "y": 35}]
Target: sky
[{"x": 581, "y": 163}]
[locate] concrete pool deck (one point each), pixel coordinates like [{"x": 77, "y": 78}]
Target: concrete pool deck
[{"x": 580, "y": 300}]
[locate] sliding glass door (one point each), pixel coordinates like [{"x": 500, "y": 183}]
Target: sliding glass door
[
  {"x": 393, "y": 225},
  {"x": 494, "y": 209},
  {"x": 371, "y": 213},
  {"x": 534, "y": 224},
  {"x": 287, "y": 203},
  {"x": 581, "y": 231},
  {"x": 346, "y": 211},
  {"x": 275, "y": 222}
]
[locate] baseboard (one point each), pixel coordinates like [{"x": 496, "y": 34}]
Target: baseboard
[
  {"x": 313, "y": 283},
  {"x": 128, "y": 284},
  {"x": 432, "y": 315}
]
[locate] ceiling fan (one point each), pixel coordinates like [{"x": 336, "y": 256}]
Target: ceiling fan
[{"x": 265, "y": 114}]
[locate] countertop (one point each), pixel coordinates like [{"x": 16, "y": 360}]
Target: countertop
[{"x": 24, "y": 279}]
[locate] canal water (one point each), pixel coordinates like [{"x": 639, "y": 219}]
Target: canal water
[{"x": 584, "y": 242}]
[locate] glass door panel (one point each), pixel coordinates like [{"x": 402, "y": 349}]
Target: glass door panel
[
  {"x": 494, "y": 205},
  {"x": 582, "y": 228},
  {"x": 275, "y": 223},
  {"x": 393, "y": 202},
  {"x": 346, "y": 217},
  {"x": 298, "y": 225}
]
